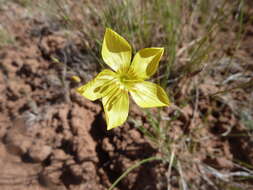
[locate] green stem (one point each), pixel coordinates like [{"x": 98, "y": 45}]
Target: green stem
[{"x": 132, "y": 168}]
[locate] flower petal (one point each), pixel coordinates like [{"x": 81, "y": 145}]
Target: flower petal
[
  {"x": 147, "y": 95},
  {"x": 100, "y": 86},
  {"x": 116, "y": 106},
  {"x": 116, "y": 51},
  {"x": 146, "y": 61}
]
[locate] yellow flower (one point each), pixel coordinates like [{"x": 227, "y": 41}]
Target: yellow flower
[
  {"x": 76, "y": 79},
  {"x": 113, "y": 86}
]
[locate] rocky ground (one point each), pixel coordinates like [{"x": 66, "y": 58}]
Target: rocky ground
[{"x": 52, "y": 138}]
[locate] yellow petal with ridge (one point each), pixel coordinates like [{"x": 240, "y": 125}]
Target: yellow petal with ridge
[
  {"x": 103, "y": 83},
  {"x": 146, "y": 61},
  {"x": 116, "y": 107},
  {"x": 147, "y": 95},
  {"x": 116, "y": 51}
]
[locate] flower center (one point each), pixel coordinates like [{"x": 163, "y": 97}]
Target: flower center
[
  {"x": 127, "y": 78},
  {"x": 124, "y": 81},
  {"x": 124, "y": 78}
]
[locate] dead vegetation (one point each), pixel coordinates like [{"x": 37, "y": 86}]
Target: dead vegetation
[{"x": 52, "y": 138}]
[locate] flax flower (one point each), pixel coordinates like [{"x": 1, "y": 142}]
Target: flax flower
[{"x": 114, "y": 86}]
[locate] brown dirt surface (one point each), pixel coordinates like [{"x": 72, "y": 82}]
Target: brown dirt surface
[{"x": 52, "y": 138}]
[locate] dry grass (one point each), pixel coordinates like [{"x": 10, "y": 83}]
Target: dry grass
[
  {"x": 201, "y": 70},
  {"x": 201, "y": 38}
]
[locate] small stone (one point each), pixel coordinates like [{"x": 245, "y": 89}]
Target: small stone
[
  {"x": 135, "y": 134},
  {"x": 76, "y": 170},
  {"x": 59, "y": 154},
  {"x": 107, "y": 146},
  {"x": 39, "y": 153},
  {"x": 224, "y": 162},
  {"x": 16, "y": 143}
]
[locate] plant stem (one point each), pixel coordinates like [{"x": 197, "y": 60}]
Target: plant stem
[{"x": 132, "y": 168}]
